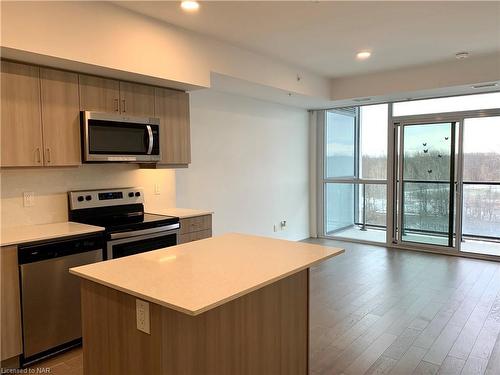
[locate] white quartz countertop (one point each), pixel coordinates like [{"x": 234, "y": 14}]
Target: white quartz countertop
[
  {"x": 181, "y": 213},
  {"x": 39, "y": 232},
  {"x": 198, "y": 276}
]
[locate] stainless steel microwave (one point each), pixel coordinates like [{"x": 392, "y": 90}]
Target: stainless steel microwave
[{"x": 107, "y": 137}]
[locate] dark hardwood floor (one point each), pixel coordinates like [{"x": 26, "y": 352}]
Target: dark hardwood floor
[{"x": 381, "y": 311}]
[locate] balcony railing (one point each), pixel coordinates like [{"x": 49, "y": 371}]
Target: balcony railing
[{"x": 491, "y": 210}]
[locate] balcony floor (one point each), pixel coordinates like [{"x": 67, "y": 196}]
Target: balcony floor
[
  {"x": 481, "y": 247},
  {"x": 378, "y": 235},
  {"x": 355, "y": 233}
]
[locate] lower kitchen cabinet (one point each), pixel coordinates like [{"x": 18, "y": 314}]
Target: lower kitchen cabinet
[
  {"x": 195, "y": 228},
  {"x": 11, "y": 304}
]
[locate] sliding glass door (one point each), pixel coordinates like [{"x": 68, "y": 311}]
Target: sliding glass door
[
  {"x": 426, "y": 182},
  {"x": 446, "y": 187},
  {"x": 421, "y": 174}
]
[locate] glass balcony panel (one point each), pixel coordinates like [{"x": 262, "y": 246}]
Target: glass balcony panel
[{"x": 481, "y": 210}]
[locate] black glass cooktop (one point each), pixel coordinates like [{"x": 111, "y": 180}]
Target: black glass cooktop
[
  {"x": 121, "y": 218},
  {"x": 144, "y": 221}
]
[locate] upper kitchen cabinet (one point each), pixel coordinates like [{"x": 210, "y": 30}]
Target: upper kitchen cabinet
[
  {"x": 60, "y": 117},
  {"x": 21, "y": 126},
  {"x": 172, "y": 107},
  {"x": 108, "y": 95},
  {"x": 40, "y": 117},
  {"x": 99, "y": 94},
  {"x": 137, "y": 99}
]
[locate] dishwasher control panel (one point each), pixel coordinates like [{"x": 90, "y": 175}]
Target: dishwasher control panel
[{"x": 57, "y": 248}]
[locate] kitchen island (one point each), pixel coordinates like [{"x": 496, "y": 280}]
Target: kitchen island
[{"x": 233, "y": 304}]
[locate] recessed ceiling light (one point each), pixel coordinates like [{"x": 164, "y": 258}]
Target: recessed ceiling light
[
  {"x": 363, "y": 55},
  {"x": 461, "y": 55},
  {"x": 190, "y": 5},
  {"x": 485, "y": 85}
]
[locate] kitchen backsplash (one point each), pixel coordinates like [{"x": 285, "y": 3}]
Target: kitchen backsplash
[{"x": 51, "y": 185}]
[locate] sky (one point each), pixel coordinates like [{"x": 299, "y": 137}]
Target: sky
[
  {"x": 374, "y": 129},
  {"x": 480, "y": 134},
  {"x": 448, "y": 104}
]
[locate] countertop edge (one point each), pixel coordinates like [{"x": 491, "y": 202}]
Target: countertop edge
[
  {"x": 171, "y": 212},
  {"x": 215, "y": 304},
  {"x": 205, "y": 213},
  {"x": 20, "y": 241}
]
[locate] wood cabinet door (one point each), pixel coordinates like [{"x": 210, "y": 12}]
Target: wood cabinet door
[
  {"x": 21, "y": 128},
  {"x": 137, "y": 99},
  {"x": 60, "y": 117},
  {"x": 11, "y": 304},
  {"x": 172, "y": 107},
  {"x": 99, "y": 94},
  {"x": 194, "y": 236}
]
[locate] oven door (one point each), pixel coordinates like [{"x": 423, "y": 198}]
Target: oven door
[
  {"x": 140, "y": 244},
  {"x": 115, "y": 138}
]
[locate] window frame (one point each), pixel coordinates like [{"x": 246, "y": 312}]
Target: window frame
[
  {"x": 392, "y": 170},
  {"x": 356, "y": 181}
]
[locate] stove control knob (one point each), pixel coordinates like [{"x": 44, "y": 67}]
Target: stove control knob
[
  {"x": 88, "y": 197},
  {"x": 137, "y": 194},
  {"x": 131, "y": 194},
  {"x": 80, "y": 198}
]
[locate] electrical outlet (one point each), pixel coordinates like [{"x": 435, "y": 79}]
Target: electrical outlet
[
  {"x": 157, "y": 189},
  {"x": 142, "y": 314},
  {"x": 29, "y": 198}
]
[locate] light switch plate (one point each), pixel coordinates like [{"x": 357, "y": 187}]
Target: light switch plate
[
  {"x": 28, "y": 198},
  {"x": 157, "y": 189},
  {"x": 142, "y": 314}
]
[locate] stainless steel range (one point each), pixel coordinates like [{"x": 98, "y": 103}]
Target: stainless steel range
[{"x": 129, "y": 230}]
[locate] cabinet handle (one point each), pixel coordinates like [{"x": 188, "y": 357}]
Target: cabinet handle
[
  {"x": 38, "y": 155},
  {"x": 116, "y": 106},
  {"x": 123, "y": 102},
  {"x": 48, "y": 155}
]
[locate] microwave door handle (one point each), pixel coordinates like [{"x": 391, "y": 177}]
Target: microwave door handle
[{"x": 151, "y": 140}]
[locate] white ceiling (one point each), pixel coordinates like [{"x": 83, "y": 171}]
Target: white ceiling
[{"x": 323, "y": 37}]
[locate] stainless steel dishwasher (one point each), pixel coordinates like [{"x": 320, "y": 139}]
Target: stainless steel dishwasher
[{"x": 50, "y": 295}]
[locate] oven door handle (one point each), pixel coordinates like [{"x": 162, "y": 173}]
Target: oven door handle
[
  {"x": 135, "y": 233},
  {"x": 151, "y": 139},
  {"x": 111, "y": 244}
]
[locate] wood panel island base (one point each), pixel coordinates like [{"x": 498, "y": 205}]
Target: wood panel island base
[{"x": 234, "y": 304}]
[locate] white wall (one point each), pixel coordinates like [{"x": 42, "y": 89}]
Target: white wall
[
  {"x": 249, "y": 165},
  {"x": 101, "y": 34},
  {"x": 51, "y": 185}
]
